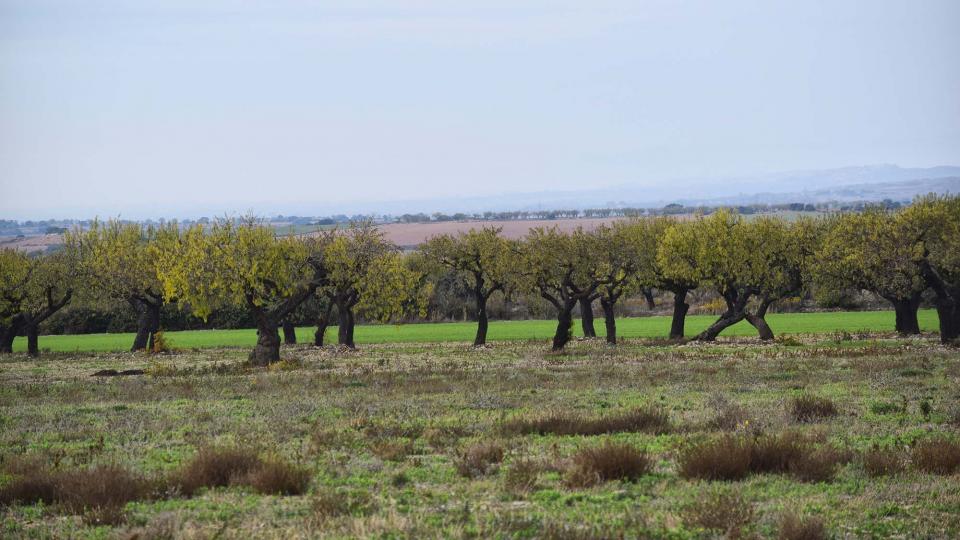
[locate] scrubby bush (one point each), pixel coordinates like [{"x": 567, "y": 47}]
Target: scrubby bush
[
  {"x": 277, "y": 477},
  {"x": 808, "y": 408},
  {"x": 795, "y": 527},
  {"x": 521, "y": 477},
  {"x": 724, "y": 458},
  {"x": 214, "y": 467},
  {"x": 719, "y": 510},
  {"x": 883, "y": 462},
  {"x": 937, "y": 456},
  {"x": 609, "y": 461},
  {"x": 478, "y": 459},
  {"x": 734, "y": 457},
  {"x": 639, "y": 420}
]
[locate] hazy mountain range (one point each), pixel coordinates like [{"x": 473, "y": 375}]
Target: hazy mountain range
[{"x": 870, "y": 183}]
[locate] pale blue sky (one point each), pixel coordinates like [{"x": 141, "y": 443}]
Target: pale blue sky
[{"x": 187, "y": 107}]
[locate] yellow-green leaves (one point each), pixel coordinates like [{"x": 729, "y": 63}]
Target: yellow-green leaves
[
  {"x": 118, "y": 259},
  {"x": 874, "y": 251},
  {"x": 230, "y": 263}
]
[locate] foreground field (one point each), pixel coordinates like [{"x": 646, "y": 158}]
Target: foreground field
[
  {"x": 643, "y": 327},
  {"x": 414, "y": 441}
]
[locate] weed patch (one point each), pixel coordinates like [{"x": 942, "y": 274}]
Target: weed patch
[
  {"x": 609, "y": 461},
  {"x": 479, "y": 459},
  {"x": 808, "y": 408},
  {"x": 937, "y": 456}
]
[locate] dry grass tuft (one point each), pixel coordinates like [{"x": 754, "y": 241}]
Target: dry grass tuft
[
  {"x": 808, "y": 408},
  {"x": 729, "y": 416},
  {"x": 278, "y": 477},
  {"x": 32, "y": 482},
  {"x": 609, "y": 461},
  {"x": 329, "y": 503},
  {"x": 719, "y": 510},
  {"x": 639, "y": 420},
  {"x": 215, "y": 467},
  {"x": 392, "y": 449},
  {"x": 734, "y": 457},
  {"x": 816, "y": 465},
  {"x": 99, "y": 493},
  {"x": 724, "y": 458},
  {"x": 522, "y": 475},
  {"x": 795, "y": 527},
  {"x": 478, "y": 459},
  {"x": 937, "y": 456},
  {"x": 883, "y": 462},
  {"x": 443, "y": 437}
]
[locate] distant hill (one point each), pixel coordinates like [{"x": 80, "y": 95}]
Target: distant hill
[{"x": 870, "y": 183}]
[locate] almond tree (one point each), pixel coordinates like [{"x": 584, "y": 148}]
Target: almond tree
[
  {"x": 366, "y": 274},
  {"x": 935, "y": 221},
  {"x": 240, "y": 263},
  {"x": 751, "y": 264},
  {"x": 484, "y": 258},
  {"x": 40, "y": 287},
  {"x": 562, "y": 269},
  {"x": 677, "y": 266},
  {"x": 627, "y": 261},
  {"x": 15, "y": 273},
  {"x": 116, "y": 260},
  {"x": 783, "y": 255},
  {"x": 874, "y": 251}
]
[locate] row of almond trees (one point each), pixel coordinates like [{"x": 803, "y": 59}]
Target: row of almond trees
[{"x": 750, "y": 263}]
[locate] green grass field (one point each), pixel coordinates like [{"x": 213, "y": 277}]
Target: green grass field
[
  {"x": 643, "y": 327},
  {"x": 425, "y": 440}
]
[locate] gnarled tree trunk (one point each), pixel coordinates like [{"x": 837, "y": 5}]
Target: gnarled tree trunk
[
  {"x": 586, "y": 318},
  {"x": 564, "y": 324},
  {"x": 289, "y": 333},
  {"x": 905, "y": 310},
  {"x": 680, "y": 308},
  {"x": 648, "y": 296},
  {"x": 482, "y": 322},
  {"x": 758, "y": 320},
  {"x": 7, "y": 335},
  {"x": 609, "y": 320},
  {"x": 736, "y": 312},
  {"x": 148, "y": 323},
  {"x": 323, "y": 321},
  {"x": 33, "y": 340},
  {"x": 345, "y": 324},
  {"x": 948, "y": 303},
  {"x": 267, "y": 349}
]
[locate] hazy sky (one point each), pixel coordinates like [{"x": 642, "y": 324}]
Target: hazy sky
[{"x": 136, "y": 107}]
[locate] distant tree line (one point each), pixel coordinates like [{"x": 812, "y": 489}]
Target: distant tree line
[{"x": 240, "y": 270}]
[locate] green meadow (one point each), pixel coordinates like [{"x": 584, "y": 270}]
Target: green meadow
[{"x": 637, "y": 327}]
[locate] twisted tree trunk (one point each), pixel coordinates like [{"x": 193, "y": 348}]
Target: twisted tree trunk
[
  {"x": 736, "y": 312},
  {"x": 345, "y": 323},
  {"x": 7, "y": 335},
  {"x": 586, "y": 317},
  {"x": 648, "y": 296},
  {"x": 758, "y": 320},
  {"x": 289, "y": 333},
  {"x": 680, "y": 308},
  {"x": 948, "y": 302},
  {"x": 323, "y": 321},
  {"x": 482, "y": 322},
  {"x": 148, "y": 322},
  {"x": 609, "y": 320},
  {"x": 33, "y": 340},
  {"x": 905, "y": 311},
  {"x": 564, "y": 324},
  {"x": 267, "y": 349}
]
